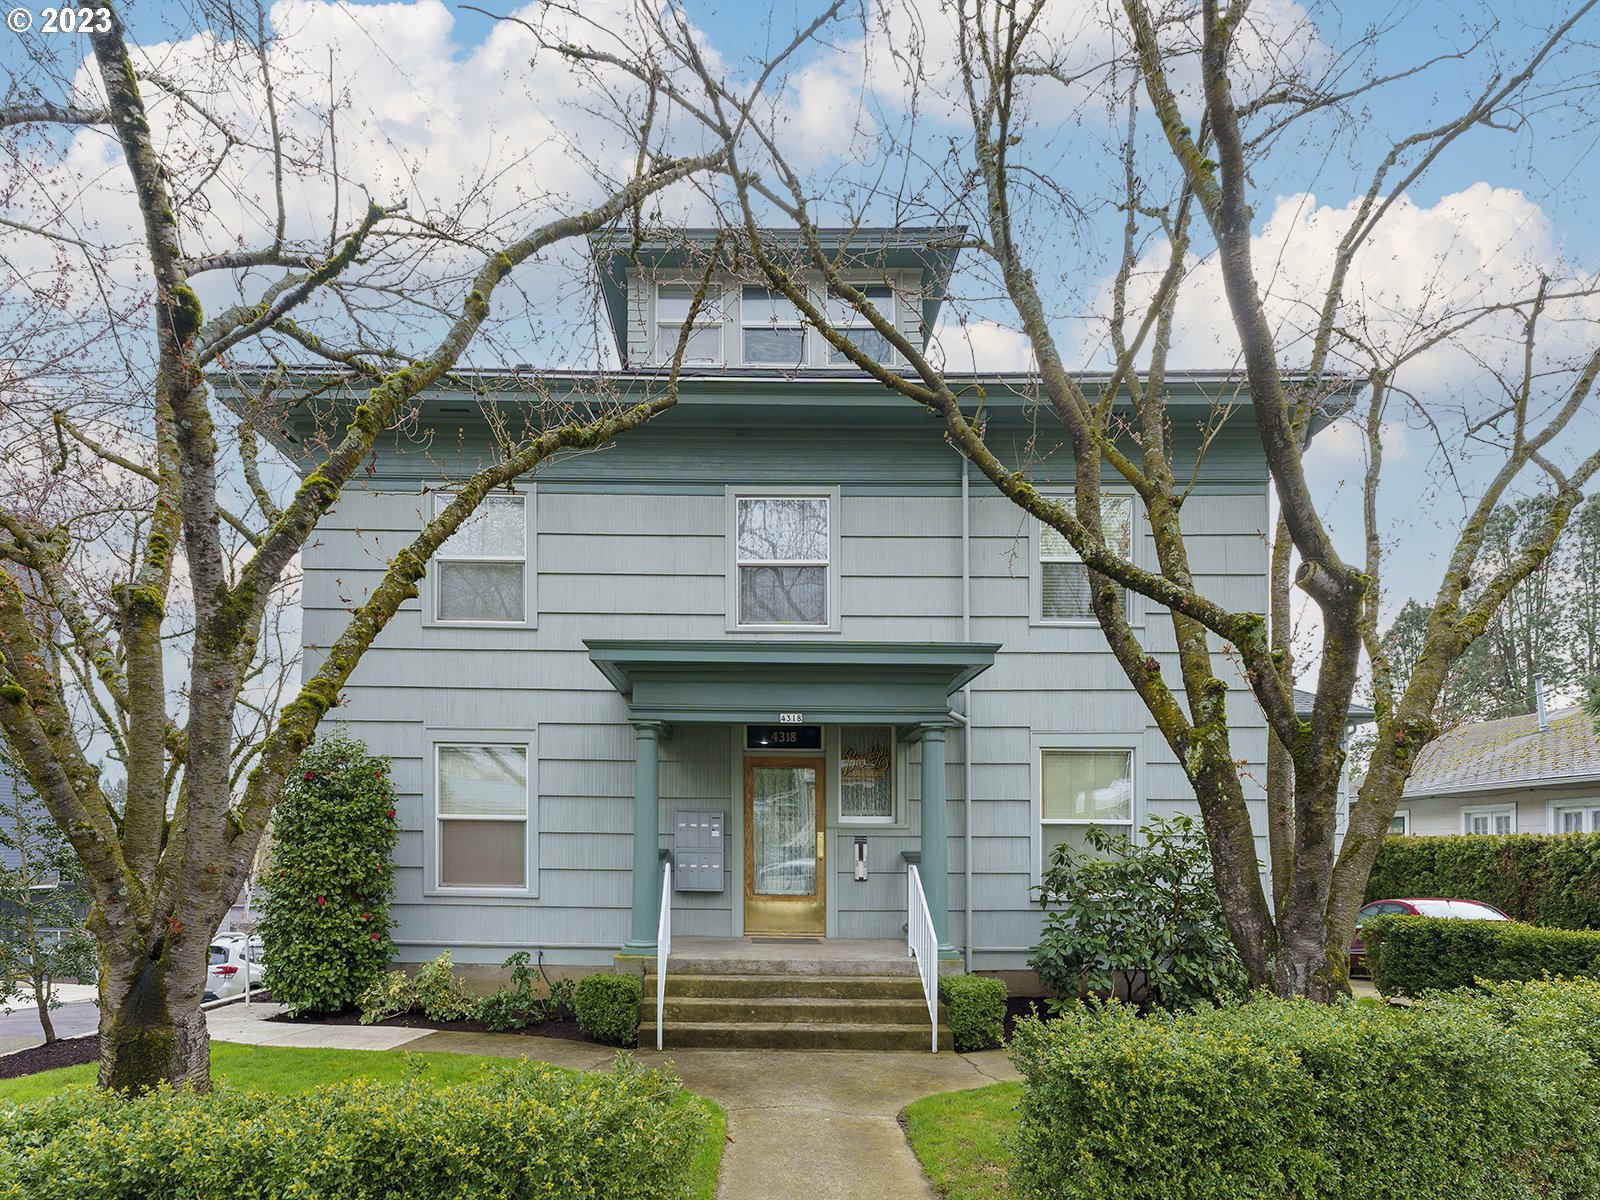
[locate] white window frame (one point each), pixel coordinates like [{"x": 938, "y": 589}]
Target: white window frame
[
  {"x": 1590, "y": 809},
  {"x": 436, "y": 503},
  {"x": 746, "y": 323},
  {"x": 853, "y": 319},
  {"x": 524, "y": 740},
  {"x": 1036, "y": 560},
  {"x": 1491, "y": 811},
  {"x": 897, "y": 776},
  {"x": 1055, "y": 743},
  {"x": 1403, "y": 815},
  {"x": 712, "y": 314},
  {"x": 831, "y": 596}
]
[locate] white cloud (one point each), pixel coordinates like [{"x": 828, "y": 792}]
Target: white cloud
[{"x": 981, "y": 346}]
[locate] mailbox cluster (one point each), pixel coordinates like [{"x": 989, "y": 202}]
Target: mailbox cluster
[{"x": 697, "y": 851}]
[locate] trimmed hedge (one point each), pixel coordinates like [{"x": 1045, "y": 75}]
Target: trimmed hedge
[
  {"x": 1466, "y": 1096},
  {"x": 1543, "y": 879},
  {"x": 607, "y": 1007},
  {"x": 1411, "y": 955},
  {"x": 522, "y": 1132},
  {"x": 974, "y": 1006}
]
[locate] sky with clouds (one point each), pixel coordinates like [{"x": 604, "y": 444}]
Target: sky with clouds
[{"x": 464, "y": 120}]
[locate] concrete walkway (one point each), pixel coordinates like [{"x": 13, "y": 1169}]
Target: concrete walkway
[{"x": 802, "y": 1124}]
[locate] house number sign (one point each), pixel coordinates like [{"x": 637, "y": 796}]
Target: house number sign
[
  {"x": 784, "y": 736},
  {"x": 791, "y": 718}
]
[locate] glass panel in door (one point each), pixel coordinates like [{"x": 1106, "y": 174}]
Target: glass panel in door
[{"x": 783, "y": 872}]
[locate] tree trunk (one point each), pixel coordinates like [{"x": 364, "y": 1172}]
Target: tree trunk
[
  {"x": 152, "y": 1031},
  {"x": 41, "y": 998}
]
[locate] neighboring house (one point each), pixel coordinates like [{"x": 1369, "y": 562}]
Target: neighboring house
[
  {"x": 12, "y": 789},
  {"x": 1528, "y": 774},
  {"x": 778, "y": 632},
  {"x": 1359, "y": 714}
]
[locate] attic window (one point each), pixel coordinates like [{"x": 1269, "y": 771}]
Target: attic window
[
  {"x": 704, "y": 346},
  {"x": 854, "y": 325},
  {"x": 773, "y": 333}
]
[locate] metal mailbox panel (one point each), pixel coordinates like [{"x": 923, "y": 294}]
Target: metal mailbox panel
[{"x": 698, "y": 850}]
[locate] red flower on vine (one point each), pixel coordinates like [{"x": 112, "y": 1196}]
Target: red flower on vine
[
  {"x": 391, "y": 814},
  {"x": 366, "y": 916},
  {"x": 310, "y": 775},
  {"x": 374, "y": 935},
  {"x": 321, "y": 900}
]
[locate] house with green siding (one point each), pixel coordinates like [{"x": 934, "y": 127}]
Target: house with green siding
[{"x": 767, "y": 653}]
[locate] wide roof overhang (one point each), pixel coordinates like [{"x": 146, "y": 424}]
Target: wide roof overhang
[{"x": 768, "y": 681}]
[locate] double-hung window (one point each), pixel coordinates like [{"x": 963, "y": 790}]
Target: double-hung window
[
  {"x": 704, "y": 344},
  {"x": 1081, "y": 788},
  {"x": 1489, "y": 819},
  {"x": 481, "y": 571},
  {"x": 866, "y": 774},
  {"x": 783, "y": 552},
  {"x": 1582, "y": 818},
  {"x": 481, "y": 793},
  {"x": 1063, "y": 578},
  {"x": 773, "y": 332},
  {"x": 851, "y": 322}
]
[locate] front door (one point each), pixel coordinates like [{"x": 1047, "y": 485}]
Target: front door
[{"x": 784, "y": 850}]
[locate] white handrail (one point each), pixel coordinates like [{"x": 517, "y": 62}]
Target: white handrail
[
  {"x": 923, "y": 945},
  {"x": 663, "y": 946}
]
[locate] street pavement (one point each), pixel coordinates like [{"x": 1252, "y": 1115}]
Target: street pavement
[{"x": 21, "y": 1028}]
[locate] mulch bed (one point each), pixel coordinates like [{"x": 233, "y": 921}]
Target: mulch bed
[
  {"x": 1018, "y": 1007},
  {"x": 65, "y": 1052},
  {"x": 566, "y": 1030}
]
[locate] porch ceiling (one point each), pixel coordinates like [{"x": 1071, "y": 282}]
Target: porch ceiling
[{"x": 766, "y": 681}]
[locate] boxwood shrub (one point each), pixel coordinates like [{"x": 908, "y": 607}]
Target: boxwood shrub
[
  {"x": 1544, "y": 879},
  {"x": 1466, "y": 1096},
  {"x": 974, "y": 1006},
  {"x": 607, "y": 1008},
  {"x": 533, "y": 1130},
  {"x": 1411, "y": 955}
]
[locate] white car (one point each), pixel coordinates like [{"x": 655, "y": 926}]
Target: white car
[{"x": 226, "y": 975}]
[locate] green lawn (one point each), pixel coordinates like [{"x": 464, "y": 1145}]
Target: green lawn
[
  {"x": 285, "y": 1070},
  {"x": 963, "y": 1139}
]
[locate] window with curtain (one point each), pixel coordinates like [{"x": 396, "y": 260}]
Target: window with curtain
[
  {"x": 673, "y": 301},
  {"x": 1081, "y": 788},
  {"x": 782, "y": 560},
  {"x": 1500, "y": 819},
  {"x": 481, "y": 796},
  {"x": 1064, "y": 580},
  {"x": 866, "y": 773},
  {"x": 853, "y": 323},
  {"x": 1579, "y": 819},
  {"x": 480, "y": 573},
  {"x": 772, "y": 329}
]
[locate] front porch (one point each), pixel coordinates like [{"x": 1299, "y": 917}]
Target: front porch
[{"x": 803, "y": 686}]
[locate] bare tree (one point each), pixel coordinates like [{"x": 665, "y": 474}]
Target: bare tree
[
  {"x": 1224, "y": 90},
  {"x": 143, "y": 533}
]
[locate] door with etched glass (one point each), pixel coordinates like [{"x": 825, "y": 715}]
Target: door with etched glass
[{"x": 784, "y": 846}]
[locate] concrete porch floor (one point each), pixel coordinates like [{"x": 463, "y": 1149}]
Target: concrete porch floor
[{"x": 783, "y": 956}]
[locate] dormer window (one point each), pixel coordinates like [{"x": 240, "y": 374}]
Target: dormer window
[
  {"x": 773, "y": 333},
  {"x": 704, "y": 346},
  {"x": 855, "y": 326}
]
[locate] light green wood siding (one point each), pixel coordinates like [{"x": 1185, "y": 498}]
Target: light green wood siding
[{"x": 630, "y": 544}]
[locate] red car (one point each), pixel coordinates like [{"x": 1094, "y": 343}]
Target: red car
[{"x": 1468, "y": 910}]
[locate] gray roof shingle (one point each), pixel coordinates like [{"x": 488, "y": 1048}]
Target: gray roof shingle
[{"x": 1512, "y": 750}]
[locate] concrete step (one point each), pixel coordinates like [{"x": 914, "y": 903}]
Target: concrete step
[
  {"x": 782, "y": 1010},
  {"x": 800, "y": 963},
  {"x": 728, "y": 1035},
  {"x": 821, "y": 987}
]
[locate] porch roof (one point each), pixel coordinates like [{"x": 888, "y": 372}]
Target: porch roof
[{"x": 770, "y": 681}]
